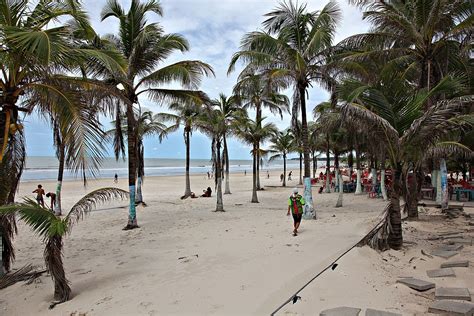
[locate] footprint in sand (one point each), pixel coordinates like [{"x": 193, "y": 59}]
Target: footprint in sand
[{"x": 105, "y": 299}]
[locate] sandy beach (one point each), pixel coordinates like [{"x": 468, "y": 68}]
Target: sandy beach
[{"x": 241, "y": 262}]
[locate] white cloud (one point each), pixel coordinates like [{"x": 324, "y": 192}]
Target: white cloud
[{"x": 214, "y": 29}]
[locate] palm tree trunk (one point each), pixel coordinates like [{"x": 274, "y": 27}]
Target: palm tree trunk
[
  {"x": 374, "y": 175},
  {"x": 434, "y": 180},
  {"x": 382, "y": 183},
  {"x": 187, "y": 141},
  {"x": 439, "y": 194},
  {"x": 328, "y": 166},
  {"x": 219, "y": 203},
  {"x": 258, "y": 119},
  {"x": 395, "y": 237},
  {"x": 301, "y": 169},
  {"x": 359, "y": 174},
  {"x": 309, "y": 211},
  {"x": 139, "y": 195},
  {"x": 284, "y": 170},
  {"x": 336, "y": 167},
  {"x": 227, "y": 167},
  {"x": 350, "y": 162},
  {"x": 258, "y": 168},
  {"x": 254, "y": 174},
  {"x": 411, "y": 192},
  {"x": 59, "y": 185},
  {"x": 132, "y": 167},
  {"x": 444, "y": 185},
  {"x": 315, "y": 165},
  {"x": 54, "y": 263},
  {"x": 341, "y": 189}
]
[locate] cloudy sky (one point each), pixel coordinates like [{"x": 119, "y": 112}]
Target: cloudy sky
[{"x": 214, "y": 29}]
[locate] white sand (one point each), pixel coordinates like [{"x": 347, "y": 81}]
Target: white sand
[
  {"x": 367, "y": 279},
  {"x": 248, "y": 262}
]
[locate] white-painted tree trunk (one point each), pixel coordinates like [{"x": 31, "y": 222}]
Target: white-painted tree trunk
[
  {"x": 337, "y": 179},
  {"x": 374, "y": 176},
  {"x": 359, "y": 182},
  {"x": 328, "y": 183},
  {"x": 439, "y": 195},
  {"x": 57, "y": 204},
  {"x": 309, "y": 210},
  {"x": 139, "y": 196},
  {"x": 444, "y": 185},
  {"x": 382, "y": 185}
]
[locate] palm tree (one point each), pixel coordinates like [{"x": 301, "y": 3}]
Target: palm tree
[
  {"x": 146, "y": 125},
  {"x": 230, "y": 111},
  {"x": 426, "y": 38},
  {"x": 253, "y": 133},
  {"x": 212, "y": 123},
  {"x": 260, "y": 91},
  {"x": 34, "y": 58},
  {"x": 52, "y": 229},
  {"x": 393, "y": 114},
  {"x": 186, "y": 114},
  {"x": 145, "y": 46},
  {"x": 282, "y": 145},
  {"x": 294, "y": 45}
]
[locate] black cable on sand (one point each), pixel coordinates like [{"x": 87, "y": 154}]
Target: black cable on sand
[{"x": 329, "y": 266}]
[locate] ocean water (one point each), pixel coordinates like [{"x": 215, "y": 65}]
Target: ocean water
[{"x": 46, "y": 168}]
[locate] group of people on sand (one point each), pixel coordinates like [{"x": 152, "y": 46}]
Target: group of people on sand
[{"x": 39, "y": 196}]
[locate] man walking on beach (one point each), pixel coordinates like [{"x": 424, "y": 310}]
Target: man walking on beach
[
  {"x": 295, "y": 204},
  {"x": 39, "y": 195}
]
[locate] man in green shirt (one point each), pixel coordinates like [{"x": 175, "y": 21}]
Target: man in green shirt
[{"x": 295, "y": 204}]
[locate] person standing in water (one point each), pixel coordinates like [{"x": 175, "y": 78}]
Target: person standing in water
[
  {"x": 115, "y": 178},
  {"x": 295, "y": 204}
]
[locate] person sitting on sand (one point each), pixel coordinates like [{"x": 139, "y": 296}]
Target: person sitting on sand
[
  {"x": 193, "y": 195},
  {"x": 207, "y": 192},
  {"x": 39, "y": 195},
  {"x": 295, "y": 204},
  {"x": 53, "y": 199}
]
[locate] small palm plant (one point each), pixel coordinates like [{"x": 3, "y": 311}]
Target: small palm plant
[{"x": 53, "y": 228}]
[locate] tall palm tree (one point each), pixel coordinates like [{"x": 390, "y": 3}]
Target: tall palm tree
[
  {"x": 34, "y": 59},
  {"x": 253, "y": 133},
  {"x": 146, "y": 125},
  {"x": 392, "y": 112},
  {"x": 231, "y": 111},
  {"x": 259, "y": 92},
  {"x": 145, "y": 46},
  {"x": 186, "y": 114},
  {"x": 294, "y": 45},
  {"x": 52, "y": 229},
  {"x": 282, "y": 145},
  {"x": 212, "y": 123}
]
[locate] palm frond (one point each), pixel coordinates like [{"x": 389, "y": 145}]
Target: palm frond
[{"x": 90, "y": 201}]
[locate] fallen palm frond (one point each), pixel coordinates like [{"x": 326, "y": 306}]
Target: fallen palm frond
[
  {"x": 27, "y": 273},
  {"x": 377, "y": 238}
]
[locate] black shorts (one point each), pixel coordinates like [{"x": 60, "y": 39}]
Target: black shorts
[{"x": 297, "y": 218}]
